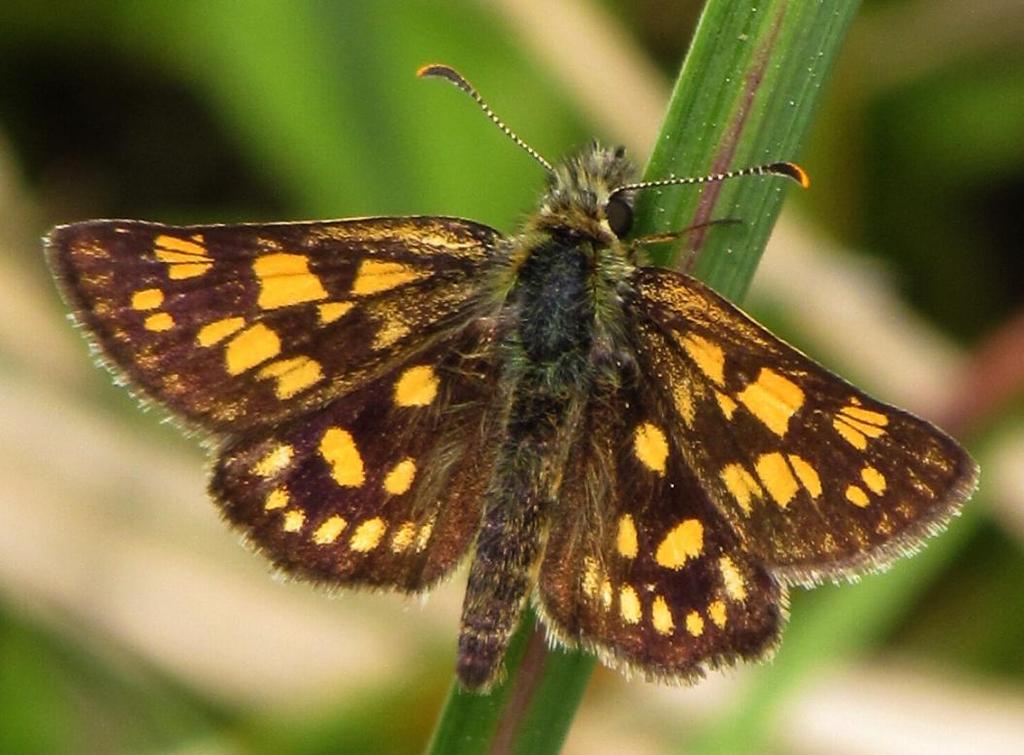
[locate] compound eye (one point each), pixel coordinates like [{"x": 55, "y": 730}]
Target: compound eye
[{"x": 620, "y": 216}]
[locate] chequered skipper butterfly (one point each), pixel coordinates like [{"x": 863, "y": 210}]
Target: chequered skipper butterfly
[{"x": 616, "y": 442}]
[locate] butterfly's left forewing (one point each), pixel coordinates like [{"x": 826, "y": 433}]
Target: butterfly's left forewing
[
  {"x": 818, "y": 479},
  {"x": 239, "y": 326}
]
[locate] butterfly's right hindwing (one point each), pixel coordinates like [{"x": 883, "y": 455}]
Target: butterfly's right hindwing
[{"x": 640, "y": 567}]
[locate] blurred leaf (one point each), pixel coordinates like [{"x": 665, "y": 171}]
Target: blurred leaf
[
  {"x": 320, "y": 99},
  {"x": 58, "y": 696},
  {"x": 945, "y": 184},
  {"x": 34, "y": 715},
  {"x": 292, "y": 80},
  {"x": 840, "y": 621}
]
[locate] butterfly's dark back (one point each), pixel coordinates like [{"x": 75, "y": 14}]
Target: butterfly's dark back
[{"x": 555, "y": 310}]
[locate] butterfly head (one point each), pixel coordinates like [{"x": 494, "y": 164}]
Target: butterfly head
[{"x": 583, "y": 194}]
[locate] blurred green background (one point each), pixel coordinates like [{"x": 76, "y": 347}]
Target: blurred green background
[{"x": 131, "y": 620}]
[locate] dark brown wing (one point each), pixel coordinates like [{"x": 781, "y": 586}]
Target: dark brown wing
[
  {"x": 817, "y": 479},
  {"x": 237, "y": 326},
  {"x": 640, "y": 566},
  {"x": 382, "y": 487}
]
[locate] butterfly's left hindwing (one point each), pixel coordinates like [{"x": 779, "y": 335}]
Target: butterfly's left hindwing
[
  {"x": 233, "y": 327},
  {"x": 640, "y": 566},
  {"x": 382, "y": 487}
]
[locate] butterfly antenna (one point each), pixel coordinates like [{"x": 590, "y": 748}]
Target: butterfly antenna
[
  {"x": 456, "y": 78},
  {"x": 789, "y": 170}
]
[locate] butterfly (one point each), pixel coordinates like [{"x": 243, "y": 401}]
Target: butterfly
[{"x": 615, "y": 442}]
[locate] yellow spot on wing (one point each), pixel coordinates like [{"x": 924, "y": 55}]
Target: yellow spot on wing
[
  {"x": 852, "y": 436},
  {"x": 328, "y": 532},
  {"x": 874, "y": 479},
  {"x": 741, "y": 484},
  {"x": 735, "y": 585},
  {"x": 626, "y": 541},
  {"x": 400, "y": 478},
  {"x": 251, "y": 347},
  {"x": 807, "y": 475},
  {"x": 684, "y": 541},
  {"x": 367, "y": 535},
  {"x": 683, "y": 400},
  {"x": 285, "y": 279},
  {"x": 185, "y": 259},
  {"x": 293, "y": 520},
  {"x": 777, "y": 478},
  {"x": 661, "y": 616},
  {"x": 872, "y": 431},
  {"x": 185, "y": 247},
  {"x": 334, "y": 310},
  {"x": 390, "y": 331},
  {"x": 651, "y": 447},
  {"x": 374, "y": 276},
  {"x": 424, "y": 534},
  {"x": 181, "y": 272},
  {"x": 181, "y": 258},
  {"x": 866, "y": 415},
  {"x": 773, "y": 399},
  {"x": 282, "y": 367},
  {"x": 857, "y": 496},
  {"x": 708, "y": 355},
  {"x": 856, "y": 424},
  {"x": 276, "y": 499},
  {"x": 694, "y": 624},
  {"x": 218, "y": 330},
  {"x": 274, "y": 461},
  {"x": 159, "y": 322},
  {"x": 338, "y": 448},
  {"x": 726, "y": 404},
  {"x": 417, "y": 386},
  {"x": 403, "y": 537},
  {"x": 606, "y": 594},
  {"x": 293, "y": 375},
  {"x": 716, "y": 610},
  {"x": 629, "y": 605},
  {"x": 590, "y": 576},
  {"x": 148, "y": 298}
]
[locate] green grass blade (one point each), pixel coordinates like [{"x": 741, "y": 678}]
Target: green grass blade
[
  {"x": 530, "y": 712},
  {"x": 745, "y": 95},
  {"x": 748, "y": 89}
]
